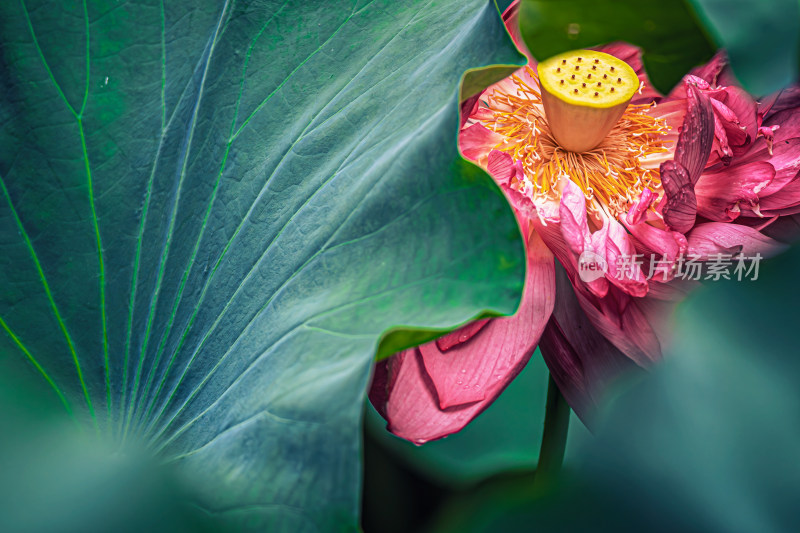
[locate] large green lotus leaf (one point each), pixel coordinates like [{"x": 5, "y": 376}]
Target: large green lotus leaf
[{"x": 211, "y": 213}]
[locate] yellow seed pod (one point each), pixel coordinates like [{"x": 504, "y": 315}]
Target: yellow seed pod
[{"x": 584, "y": 94}]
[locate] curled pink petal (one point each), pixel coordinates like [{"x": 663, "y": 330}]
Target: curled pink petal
[
  {"x": 430, "y": 393},
  {"x": 638, "y": 210}
]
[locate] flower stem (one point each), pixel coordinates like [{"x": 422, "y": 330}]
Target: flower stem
[{"x": 554, "y": 438}]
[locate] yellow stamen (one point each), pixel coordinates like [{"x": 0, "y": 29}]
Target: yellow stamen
[{"x": 612, "y": 175}]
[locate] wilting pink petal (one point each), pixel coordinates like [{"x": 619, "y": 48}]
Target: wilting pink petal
[
  {"x": 719, "y": 193},
  {"x": 429, "y": 392},
  {"x": 691, "y": 155},
  {"x": 713, "y": 238},
  {"x": 680, "y": 202}
]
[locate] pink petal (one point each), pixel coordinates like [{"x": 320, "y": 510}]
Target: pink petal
[
  {"x": 710, "y": 71},
  {"x": 784, "y": 202},
  {"x": 501, "y": 166},
  {"x": 680, "y": 203},
  {"x": 661, "y": 249},
  {"x": 718, "y": 194},
  {"x": 788, "y": 98},
  {"x": 572, "y": 214},
  {"x": 636, "y": 213},
  {"x": 691, "y": 155},
  {"x": 423, "y": 392},
  {"x": 477, "y": 141},
  {"x": 460, "y": 335},
  {"x": 612, "y": 242},
  {"x": 620, "y": 318},
  {"x": 469, "y": 107},
  {"x": 743, "y": 129},
  {"x": 696, "y": 136},
  {"x": 712, "y": 238}
]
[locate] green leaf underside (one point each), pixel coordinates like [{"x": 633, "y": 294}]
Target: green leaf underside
[
  {"x": 671, "y": 38},
  {"x": 211, "y": 212}
]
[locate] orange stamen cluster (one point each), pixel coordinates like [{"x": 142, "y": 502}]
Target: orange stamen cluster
[{"x": 611, "y": 174}]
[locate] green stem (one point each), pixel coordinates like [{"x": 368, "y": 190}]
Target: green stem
[{"x": 554, "y": 438}]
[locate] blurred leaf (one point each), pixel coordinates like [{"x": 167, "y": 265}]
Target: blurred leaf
[
  {"x": 56, "y": 477},
  {"x": 761, "y": 38},
  {"x": 671, "y": 38},
  {"x": 210, "y": 212}
]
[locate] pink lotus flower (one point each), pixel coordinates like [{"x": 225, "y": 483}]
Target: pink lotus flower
[{"x": 701, "y": 172}]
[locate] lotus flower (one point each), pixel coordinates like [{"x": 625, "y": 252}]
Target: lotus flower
[{"x": 596, "y": 162}]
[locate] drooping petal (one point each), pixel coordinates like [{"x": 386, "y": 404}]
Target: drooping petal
[
  {"x": 661, "y": 249},
  {"x": 438, "y": 388},
  {"x": 582, "y": 362},
  {"x": 402, "y": 392}
]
